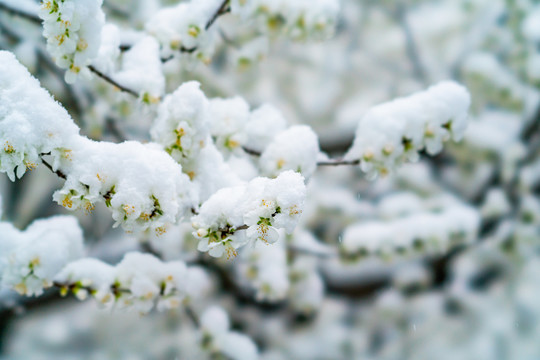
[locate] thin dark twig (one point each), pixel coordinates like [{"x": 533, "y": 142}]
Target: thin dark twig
[
  {"x": 115, "y": 131},
  {"x": 113, "y": 82},
  {"x": 251, "y": 151},
  {"x": 57, "y": 172},
  {"x": 329, "y": 162},
  {"x": 192, "y": 316},
  {"x": 338, "y": 162},
  {"x": 223, "y": 9},
  {"x": 20, "y": 13}
]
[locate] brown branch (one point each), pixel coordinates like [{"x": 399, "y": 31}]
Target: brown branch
[
  {"x": 223, "y": 9},
  {"x": 113, "y": 82},
  {"x": 329, "y": 162},
  {"x": 338, "y": 162},
  {"x": 20, "y": 13},
  {"x": 57, "y": 172}
]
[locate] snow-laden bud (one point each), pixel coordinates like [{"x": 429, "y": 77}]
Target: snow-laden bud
[
  {"x": 73, "y": 32},
  {"x": 293, "y": 149},
  {"x": 392, "y": 133},
  {"x": 229, "y": 118},
  {"x": 182, "y": 124},
  {"x": 141, "y": 70},
  {"x": 264, "y": 124}
]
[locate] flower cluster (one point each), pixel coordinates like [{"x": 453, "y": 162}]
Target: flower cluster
[
  {"x": 218, "y": 340},
  {"x": 125, "y": 176},
  {"x": 298, "y": 19},
  {"x": 229, "y": 118},
  {"x": 394, "y": 132},
  {"x": 30, "y": 259},
  {"x": 141, "y": 70},
  {"x": 264, "y": 269},
  {"x": 432, "y": 226},
  {"x": 276, "y": 276},
  {"x": 183, "y": 28},
  {"x": 139, "y": 282},
  {"x": 143, "y": 186},
  {"x": 258, "y": 207},
  {"x": 183, "y": 121},
  {"x": 31, "y": 122},
  {"x": 73, "y": 32},
  {"x": 486, "y": 76},
  {"x": 294, "y": 149}
]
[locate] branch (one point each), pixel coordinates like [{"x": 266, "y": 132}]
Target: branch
[
  {"x": 57, "y": 172},
  {"x": 20, "y": 13},
  {"x": 113, "y": 82},
  {"x": 35, "y": 19},
  {"x": 223, "y": 9},
  {"x": 329, "y": 162}
]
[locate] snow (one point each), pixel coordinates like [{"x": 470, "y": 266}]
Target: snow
[
  {"x": 394, "y": 132},
  {"x": 73, "y": 32}
]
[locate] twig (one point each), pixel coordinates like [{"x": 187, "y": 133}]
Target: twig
[
  {"x": 329, "y": 162},
  {"x": 112, "y": 126},
  {"x": 35, "y": 19},
  {"x": 20, "y": 13},
  {"x": 223, "y": 9},
  {"x": 338, "y": 162},
  {"x": 113, "y": 82},
  {"x": 57, "y": 172}
]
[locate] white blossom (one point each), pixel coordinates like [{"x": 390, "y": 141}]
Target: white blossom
[
  {"x": 73, "y": 32},
  {"x": 392, "y": 133}
]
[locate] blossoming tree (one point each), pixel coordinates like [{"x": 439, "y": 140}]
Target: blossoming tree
[{"x": 274, "y": 179}]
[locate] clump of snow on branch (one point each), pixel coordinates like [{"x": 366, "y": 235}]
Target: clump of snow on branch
[
  {"x": 143, "y": 186},
  {"x": 258, "y": 207},
  {"x": 431, "y": 226},
  {"x": 300, "y": 19},
  {"x": 141, "y": 70},
  {"x": 30, "y": 259},
  {"x": 183, "y": 121},
  {"x": 139, "y": 282},
  {"x": 394, "y": 132},
  {"x": 293, "y": 149},
  {"x": 31, "y": 122},
  {"x": 183, "y": 27},
  {"x": 264, "y": 124},
  {"x": 218, "y": 339},
  {"x": 73, "y": 32},
  {"x": 229, "y": 118}
]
